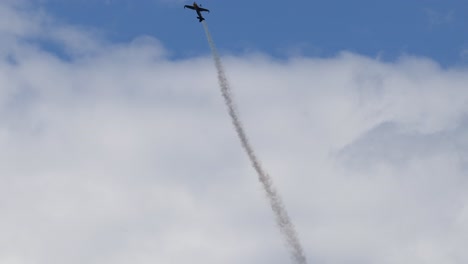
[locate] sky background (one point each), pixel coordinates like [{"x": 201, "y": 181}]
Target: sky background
[
  {"x": 116, "y": 146},
  {"x": 383, "y": 29}
]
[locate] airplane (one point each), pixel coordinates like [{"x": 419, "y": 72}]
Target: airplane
[{"x": 199, "y": 9}]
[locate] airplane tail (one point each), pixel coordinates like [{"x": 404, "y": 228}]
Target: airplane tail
[{"x": 200, "y": 19}]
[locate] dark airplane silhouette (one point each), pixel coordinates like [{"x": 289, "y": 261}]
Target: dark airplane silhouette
[{"x": 199, "y": 9}]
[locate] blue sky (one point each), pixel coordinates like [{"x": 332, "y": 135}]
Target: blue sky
[
  {"x": 116, "y": 146},
  {"x": 387, "y": 29}
]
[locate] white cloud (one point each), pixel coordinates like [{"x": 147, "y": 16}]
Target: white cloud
[{"x": 121, "y": 155}]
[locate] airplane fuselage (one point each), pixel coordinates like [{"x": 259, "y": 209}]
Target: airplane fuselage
[{"x": 197, "y": 9}]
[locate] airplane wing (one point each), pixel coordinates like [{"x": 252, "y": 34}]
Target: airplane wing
[
  {"x": 204, "y": 9},
  {"x": 189, "y": 6}
]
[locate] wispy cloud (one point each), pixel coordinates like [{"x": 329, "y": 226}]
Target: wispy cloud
[
  {"x": 464, "y": 54},
  {"x": 437, "y": 18}
]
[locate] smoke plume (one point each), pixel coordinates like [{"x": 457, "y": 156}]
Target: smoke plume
[{"x": 282, "y": 218}]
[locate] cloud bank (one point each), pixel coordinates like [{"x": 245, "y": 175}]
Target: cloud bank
[{"x": 115, "y": 153}]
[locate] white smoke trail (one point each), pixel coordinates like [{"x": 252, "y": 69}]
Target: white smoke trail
[{"x": 282, "y": 218}]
